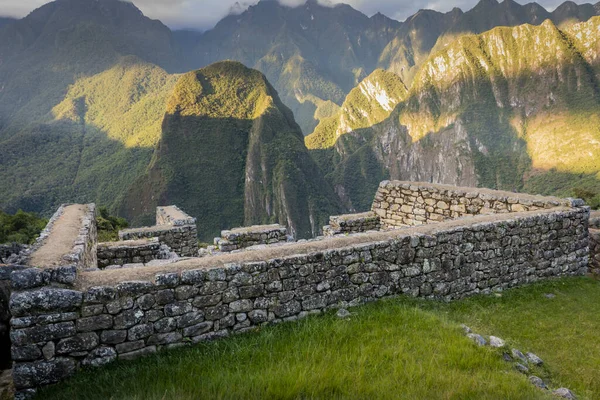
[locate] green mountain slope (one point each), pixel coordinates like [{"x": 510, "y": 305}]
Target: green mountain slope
[
  {"x": 370, "y": 103},
  {"x": 91, "y": 145},
  {"x": 231, "y": 154},
  {"x": 511, "y": 108},
  {"x": 430, "y": 31}
]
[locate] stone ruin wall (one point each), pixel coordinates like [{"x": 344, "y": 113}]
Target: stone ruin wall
[
  {"x": 60, "y": 324},
  {"x": 352, "y": 223},
  {"x": 173, "y": 228},
  {"x": 400, "y": 203},
  {"x": 241, "y": 238},
  {"x": 128, "y": 252},
  {"x": 595, "y": 242}
]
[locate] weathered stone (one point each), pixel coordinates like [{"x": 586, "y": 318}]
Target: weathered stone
[
  {"x": 214, "y": 313},
  {"x": 496, "y": 342},
  {"x": 532, "y": 358},
  {"x": 113, "y": 337},
  {"x": 79, "y": 342},
  {"x": 29, "y": 278},
  {"x": 521, "y": 368},
  {"x": 197, "y": 329},
  {"x": 129, "y": 346},
  {"x": 175, "y": 309},
  {"x": 241, "y": 306},
  {"x": 518, "y": 355},
  {"x": 49, "y": 350},
  {"x": 478, "y": 339},
  {"x": 127, "y": 319},
  {"x": 564, "y": 393},
  {"x": 25, "y": 353},
  {"x": 145, "y": 302},
  {"x": 189, "y": 319},
  {"x": 39, "y": 373},
  {"x": 44, "y": 300},
  {"x": 101, "y": 356},
  {"x": 95, "y": 323},
  {"x": 138, "y": 353},
  {"x": 141, "y": 331},
  {"x": 343, "y": 313},
  {"x": 536, "y": 381},
  {"x": 43, "y": 333},
  {"x": 258, "y": 316},
  {"x": 164, "y": 338}
]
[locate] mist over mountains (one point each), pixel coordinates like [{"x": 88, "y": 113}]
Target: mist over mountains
[{"x": 93, "y": 100}]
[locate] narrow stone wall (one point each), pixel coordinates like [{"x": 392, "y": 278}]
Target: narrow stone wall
[
  {"x": 352, "y": 223},
  {"x": 56, "y": 330},
  {"x": 173, "y": 227},
  {"x": 128, "y": 252},
  {"x": 10, "y": 252},
  {"x": 241, "y": 238},
  {"x": 595, "y": 220},
  {"x": 595, "y": 251},
  {"x": 415, "y": 203},
  {"x": 5, "y": 291}
]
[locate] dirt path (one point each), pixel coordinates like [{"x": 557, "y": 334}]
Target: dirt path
[{"x": 61, "y": 239}]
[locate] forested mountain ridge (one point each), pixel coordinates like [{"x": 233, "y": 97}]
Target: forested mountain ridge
[{"x": 87, "y": 87}]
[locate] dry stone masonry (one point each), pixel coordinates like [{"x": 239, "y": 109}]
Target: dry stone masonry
[
  {"x": 173, "y": 228},
  {"x": 352, "y": 223},
  {"x": 60, "y": 325},
  {"x": 131, "y": 252},
  {"x": 240, "y": 238},
  {"x": 416, "y": 203}
]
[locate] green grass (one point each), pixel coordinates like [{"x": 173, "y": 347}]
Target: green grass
[{"x": 400, "y": 348}]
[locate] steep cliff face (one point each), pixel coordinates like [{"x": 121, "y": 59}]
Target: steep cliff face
[
  {"x": 487, "y": 110},
  {"x": 231, "y": 154},
  {"x": 370, "y": 103}
]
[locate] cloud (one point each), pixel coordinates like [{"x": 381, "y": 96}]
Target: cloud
[{"x": 204, "y": 14}]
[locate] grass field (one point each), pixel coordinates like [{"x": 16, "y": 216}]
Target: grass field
[{"x": 395, "y": 349}]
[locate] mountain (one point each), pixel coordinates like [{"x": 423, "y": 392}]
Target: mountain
[
  {"x": 313, "y": 54},
  {"x": 512, "y": 108},
  {"x": 5, "y": 21},
  {"x": 45, "y": 52},
  {"x": 231, "y": 154},
  {"x": 429, "y": 31}
]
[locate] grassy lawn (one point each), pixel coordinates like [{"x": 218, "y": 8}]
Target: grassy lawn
[{"x": 395, "y": 349}]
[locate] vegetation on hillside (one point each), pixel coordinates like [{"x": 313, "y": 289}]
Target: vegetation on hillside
[
  {"x": 524, "y": 99},
  {"x": 22, "y": 227},
  {"x": 231, "y": 154},
  {"x": 398, "y": 348},
  {"x": 109, "y": 225}
]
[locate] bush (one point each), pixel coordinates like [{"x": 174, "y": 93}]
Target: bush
[
  {"x": 109, "y": 226},
  {"x": 21, "y": 228}
]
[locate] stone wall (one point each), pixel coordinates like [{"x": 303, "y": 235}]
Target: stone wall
[
  {"x": 5, "y": 291},
  {"x": 595, "y": 220},
  {"x": 415, "y": 203},
  {"x": 128, "y": 252},
  {"x": 11, "y": 251},
  {"x": 56, "y": 330},
  {"x": 595, "y": 251},
  {"x": 173, "y": 215},
  {"x": 174, "y": 228},
  {"x": 240, "y": 238},
  {"x": 352, "y": 223}
]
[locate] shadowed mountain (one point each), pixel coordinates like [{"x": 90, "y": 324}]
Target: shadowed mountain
[
  {"x": 5, "y": 21},
  {"x": 231, "y": 154}
]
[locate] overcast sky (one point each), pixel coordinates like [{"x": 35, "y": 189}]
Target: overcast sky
[{"x": 203, "y": 14}]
